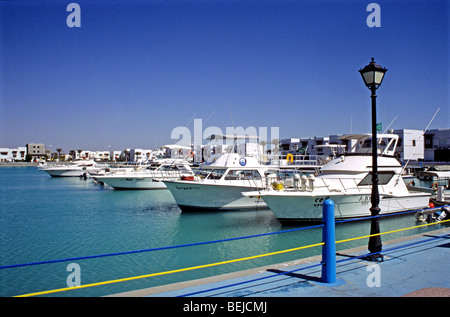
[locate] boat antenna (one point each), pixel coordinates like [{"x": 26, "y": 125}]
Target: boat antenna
[
  {"x": 212, "y": 113},
  {"x": 231, "y": 115},
  {"x": 426, "y": 129},
  {"x": 192, "y": 141},
  {"x": 385, "y": 130},
  {"x": 190, "y": 120}
]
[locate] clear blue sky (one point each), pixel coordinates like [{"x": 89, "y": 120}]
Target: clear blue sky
[{"x": 135, "y": 70}]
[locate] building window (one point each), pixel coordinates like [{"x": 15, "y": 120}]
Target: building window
[
  {"x": 413, "y": 142},
  {"x": 429, "y": 141}
]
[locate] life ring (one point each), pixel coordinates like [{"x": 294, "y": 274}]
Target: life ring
[
  {"x": 290, "y": 158},
  {"x": 191, "y": 154},
  {"x": 434, "y": 186}
]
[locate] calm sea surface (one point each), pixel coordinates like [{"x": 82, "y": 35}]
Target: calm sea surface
[{"x": 44, "y": 219}]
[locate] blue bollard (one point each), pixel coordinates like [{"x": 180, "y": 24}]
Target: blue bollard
[{"x": 329, "y": 248}]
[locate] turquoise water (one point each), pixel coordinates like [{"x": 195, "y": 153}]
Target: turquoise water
[{"x": 44, "y": 218}]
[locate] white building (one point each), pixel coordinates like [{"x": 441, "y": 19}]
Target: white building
[
  {"x": 140, "y": 155},
  {"x": 131, "y": 155},
  {"x": 91, "y": 155},
  {"x": 410, "y": 145},
  {"x": 13, "y": 155}
]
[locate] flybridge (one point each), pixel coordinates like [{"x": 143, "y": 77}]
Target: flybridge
[{"x": 386, "y": 144}]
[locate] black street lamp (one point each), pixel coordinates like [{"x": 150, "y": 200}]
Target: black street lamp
[{"x": 373, "y": 75}]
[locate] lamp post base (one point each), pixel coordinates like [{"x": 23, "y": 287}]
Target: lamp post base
[{"x": 374, "y": 257}]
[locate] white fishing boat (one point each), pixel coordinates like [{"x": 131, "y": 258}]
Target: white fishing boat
[
  {"x": 218, "y": 185},
  {"x": 145, "y": 178},
  {"x": 346, "y": 180},
  {"x": 438, "y": 175},
  {"x": 74, "y": 169}
]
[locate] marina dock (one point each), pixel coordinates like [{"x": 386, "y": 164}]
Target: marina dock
[{"x": 413, "y": 266}]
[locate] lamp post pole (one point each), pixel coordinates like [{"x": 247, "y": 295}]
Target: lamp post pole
[
  {"x": 375, "y": 245},
  {"x": 373, "y": 75}
]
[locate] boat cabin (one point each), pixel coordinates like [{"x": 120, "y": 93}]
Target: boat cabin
[{"x": 232, "y": 166}]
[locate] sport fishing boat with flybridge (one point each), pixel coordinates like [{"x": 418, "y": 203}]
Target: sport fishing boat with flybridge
[{"x": 347, "y": 180}]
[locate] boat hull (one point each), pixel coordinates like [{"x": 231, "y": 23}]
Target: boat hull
[
  {"x": 198, "y": 196},
  {"x": 65, "y": 172},
  {"x": 297, "y": 208},
  {"x": 132, "y": 183}
]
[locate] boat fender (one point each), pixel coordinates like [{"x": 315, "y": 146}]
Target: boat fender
[
  {"x": 311, "y": 180},
  {"x": 191, "y": 154},
  {"x": 296, "y": 181},
  {"x": 304, "y": 180}
]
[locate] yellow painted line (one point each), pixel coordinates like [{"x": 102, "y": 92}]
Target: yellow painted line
[
  {"x": 392, "y": 231},
  {"x": 167, "y": 272}
]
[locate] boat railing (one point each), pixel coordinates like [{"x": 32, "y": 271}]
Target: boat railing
[
  {"x": 162, "y": 175},
  {"x": 292, "y": 160},
  {"x": 157, "y": 175},
  {"x": 342, "y": 185}
]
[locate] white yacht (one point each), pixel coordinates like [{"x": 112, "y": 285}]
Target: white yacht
[
  {"x": 218, "y": 185},
  {"x": 75, "y": 169},
  {"x": 346, "y": 180},
  {"x": 146, "y": 178}
]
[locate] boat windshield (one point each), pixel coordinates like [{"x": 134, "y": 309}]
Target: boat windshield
[
  {"x": 211, "y": 173},
  {"x": 386, "y": 146},
  {"x": 168, "y": 168},
  {"x": 242, "y": 174},
  {"x": 383, "y": 178}
]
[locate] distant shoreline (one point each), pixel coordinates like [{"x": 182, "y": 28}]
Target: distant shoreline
[{"x": 17, "y": 164}]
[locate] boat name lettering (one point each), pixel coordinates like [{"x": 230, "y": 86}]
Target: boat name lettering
[
  {"x": 318, "y": 202},
  {"x": 364, "y": 200},
  {"x": 187, "y": 188}
]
